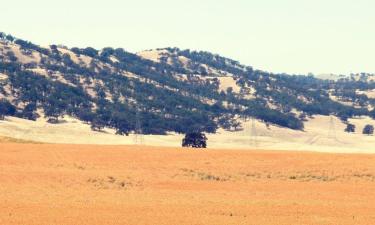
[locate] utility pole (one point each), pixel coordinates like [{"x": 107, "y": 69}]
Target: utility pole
[{"x": 138, "y": 134}]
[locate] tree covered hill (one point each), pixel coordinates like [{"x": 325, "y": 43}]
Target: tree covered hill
[{"x": 164, "y": 89}]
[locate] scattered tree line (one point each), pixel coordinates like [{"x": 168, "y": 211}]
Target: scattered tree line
[{"x": 161, "y": 101}]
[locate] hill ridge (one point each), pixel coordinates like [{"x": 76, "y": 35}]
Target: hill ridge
[{"x": 168, "y": 90}]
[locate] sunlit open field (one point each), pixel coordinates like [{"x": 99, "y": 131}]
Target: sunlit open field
[
  {"x": 98, "y": 185},
  {"x": 316, "y": 137}
]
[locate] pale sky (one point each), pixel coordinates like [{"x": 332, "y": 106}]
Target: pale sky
[{"x": 292, "y": 36}]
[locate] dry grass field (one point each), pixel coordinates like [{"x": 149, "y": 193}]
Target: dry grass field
[
  {"x": 45, "y": 184},
  {"x": 317, "y": 135}
]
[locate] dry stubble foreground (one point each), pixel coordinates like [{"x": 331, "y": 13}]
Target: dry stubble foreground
[{"x": 76, "y": 184}]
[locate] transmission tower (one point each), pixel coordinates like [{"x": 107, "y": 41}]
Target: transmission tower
[
  {"x": 253, "y": 134},
  {"x": 332, "y": 129},
  {"x": 138, "y": 135}
]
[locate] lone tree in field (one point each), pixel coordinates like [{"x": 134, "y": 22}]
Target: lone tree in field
[
  {"x": 195, "y": 140},
  {"x": 368, "y": 129},
  {"x": 350, "y": 128}
]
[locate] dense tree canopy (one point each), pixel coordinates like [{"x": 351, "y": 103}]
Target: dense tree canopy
[
  {"x": 195, "y": 140},
  {"x": 368, "y": 129}
]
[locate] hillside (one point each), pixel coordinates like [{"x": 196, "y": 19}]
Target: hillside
[{"x": 165, "y": 90}]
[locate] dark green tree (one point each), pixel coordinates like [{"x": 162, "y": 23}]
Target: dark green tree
[
  {"x": 6, "y": 109},
  {"x": 195, "y": 140},
  {"x": 29, "y": 112},
  {"x": 97, "y": 124},
  {"x": 350, "y": 128},
  {"x": 368, "y": 129}
]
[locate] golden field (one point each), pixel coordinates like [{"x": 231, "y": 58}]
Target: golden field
[{"x": 51, "y": 184}]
